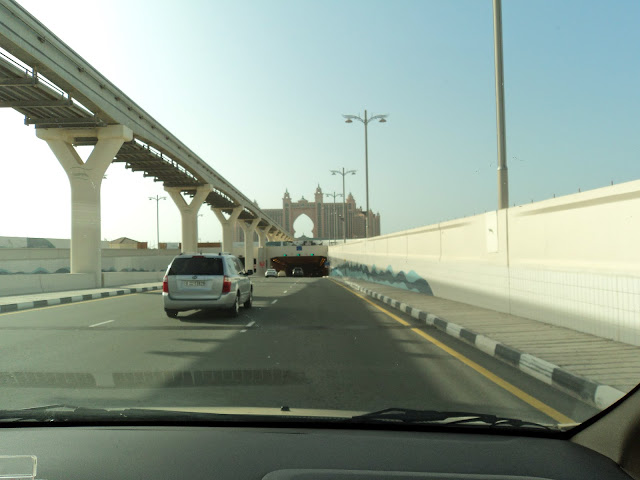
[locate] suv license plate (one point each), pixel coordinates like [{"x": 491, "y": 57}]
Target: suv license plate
[{"x": 195, "y": 283}]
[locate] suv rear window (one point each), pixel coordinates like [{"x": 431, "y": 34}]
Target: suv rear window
[{"x": 197, "y": 266}]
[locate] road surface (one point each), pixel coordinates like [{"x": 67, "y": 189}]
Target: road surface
[{"x": 306, "y": 343}]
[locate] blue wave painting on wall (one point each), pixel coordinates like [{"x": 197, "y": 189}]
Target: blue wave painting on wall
[
  {"x": 409, "y": 281},
  {"x": 37, "y": 271},
  {"x": 41, "y": 271}
]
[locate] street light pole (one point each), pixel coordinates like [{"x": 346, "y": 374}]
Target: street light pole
[
  {"x": 334, "y": 222},
  {"x": 503, "y": 176},
  {"x": 157, "y": 198},
  {"x": 343, "y": 172},
  {"x": 381, "y": 119}
]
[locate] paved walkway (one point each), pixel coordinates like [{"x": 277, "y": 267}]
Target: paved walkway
[
  {"x": 38, "y": 300},
  {"x": 595, "y": 369}
]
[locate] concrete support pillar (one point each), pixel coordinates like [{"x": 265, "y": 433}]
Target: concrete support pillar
[
  {"x": 262, "y": 236},
  {"x": 263, "y": 261},
  {"x": 189, "y": 214},
  {"x": 249, "y": 229},
  {"x": 228, "y": 226},
  {"x": 85, "y": 179}
]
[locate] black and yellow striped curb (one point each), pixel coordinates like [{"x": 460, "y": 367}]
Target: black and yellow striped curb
[
  {"x": 14, "y": 307},
  {"x": 596, "y": 394}
]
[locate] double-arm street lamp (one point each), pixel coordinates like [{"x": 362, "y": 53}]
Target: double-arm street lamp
[
  {"x": 344, "y": 173},
  {"x": 334, "y": 222},
  {"x": 157, "y": 198},
  {"x": 365, "y": 121}
]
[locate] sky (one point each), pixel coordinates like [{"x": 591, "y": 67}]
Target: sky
[{"x": 257, "y": 90}]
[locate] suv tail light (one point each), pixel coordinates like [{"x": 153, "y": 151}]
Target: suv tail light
[
  {"x": 165, "y": 284},
  {"x": 226, "y": 284}
]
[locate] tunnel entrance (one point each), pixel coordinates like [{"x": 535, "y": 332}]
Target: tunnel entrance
[{"x": 312, "y": 266}]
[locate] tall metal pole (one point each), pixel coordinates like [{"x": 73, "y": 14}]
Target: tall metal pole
[
  {"x": 344, "y": 198},
  {"x": 503, "y": 177},
  {"x": 350, "y": 119},
  {"x": 344, "y": 210},
  {"x": 333, "y": 230},
  {"x": 336, "y": 223},
  {"x": 157, "y": 198},
  {"x": 366, "y": 175}
]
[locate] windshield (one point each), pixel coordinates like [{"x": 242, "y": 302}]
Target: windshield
[{"x": 426, "y": 209}]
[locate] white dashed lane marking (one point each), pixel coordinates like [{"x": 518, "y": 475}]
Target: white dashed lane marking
[
  {"x": 101, "y": 323},
  {"x": 249, "y": 325}
]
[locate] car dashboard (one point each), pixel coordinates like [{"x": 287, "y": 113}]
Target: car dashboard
[{"x": 288, "y": 453}]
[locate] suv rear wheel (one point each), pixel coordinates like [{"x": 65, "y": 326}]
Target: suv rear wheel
[
  {"x": 249, "y": 301},
  {"x": 235, "y": 309}
]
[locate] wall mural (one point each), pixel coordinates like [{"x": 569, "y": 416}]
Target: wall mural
[
  {"x": 37, "y": 271},
  {"x": 409, "y": 281},
  {"x": 41, "y": 270}
]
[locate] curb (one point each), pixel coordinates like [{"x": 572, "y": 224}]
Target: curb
[
  {"x": 599, "y": 395},
  {"x": 14, "y": 307}
]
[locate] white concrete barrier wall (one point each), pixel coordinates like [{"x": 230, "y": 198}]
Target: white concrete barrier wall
[
  {"x": 52, "y": 260},
  {"x": 32, "y": 261},
  {"x": 150, "y": 262},
  {"x": 51, "y": 282},
  {"x": 572, "y": 261},
  {"x": 117, "y": 279}
]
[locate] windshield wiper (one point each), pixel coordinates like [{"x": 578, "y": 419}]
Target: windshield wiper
[
  {"x": 47, "y": 413},
  {"x": 70, "y": 413},
  {"x": 61, "y": 413},
  {"x": 406, "y": 415},
  {"x": 73, "y": 413}
]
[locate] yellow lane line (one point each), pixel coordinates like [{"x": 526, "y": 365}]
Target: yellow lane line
[
  {"x": 69, "y": 304},
  {"x": 525, "y": 397}
]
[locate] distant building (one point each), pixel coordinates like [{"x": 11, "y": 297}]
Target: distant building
[
  {"x": 124, "y": 242},
  {"x": 209, "y": 244},
  {"x": 169, "y": 245},
  {"x": 34, "y": 242},
  {"x": 178, "y": 245},
  {"x": 327, "y": 217}
]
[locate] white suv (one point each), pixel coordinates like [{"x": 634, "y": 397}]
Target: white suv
[{"x": 206, "y": 281}]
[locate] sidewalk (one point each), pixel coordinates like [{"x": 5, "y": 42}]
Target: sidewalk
[
  {"x": 38, "y": 300},
  {"x": 592, "y": 368}
]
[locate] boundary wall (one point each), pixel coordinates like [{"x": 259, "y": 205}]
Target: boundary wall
[
  {"x": 572, "y": 261},
  {"x": 39, "y": 270},
  {"x": 56, "y": 260}
]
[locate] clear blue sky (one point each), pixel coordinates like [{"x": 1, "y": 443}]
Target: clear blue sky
[{"x": 257, "y": 89}]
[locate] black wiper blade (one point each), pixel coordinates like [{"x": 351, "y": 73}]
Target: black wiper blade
[
  {"x": 62, "y": 413},
  {"x": 55, "y": 413},
  {"x": 406, "y": 415}
]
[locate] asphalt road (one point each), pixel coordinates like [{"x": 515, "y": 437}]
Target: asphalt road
[{"x": 306, "y": 343}]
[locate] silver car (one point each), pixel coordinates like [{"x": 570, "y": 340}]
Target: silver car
[{"x": 206, "y": 281}]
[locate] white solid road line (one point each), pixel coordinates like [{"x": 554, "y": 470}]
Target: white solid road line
[
  {"x": 250, "y": 324},
  {"x": 101, "y": 323}
]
